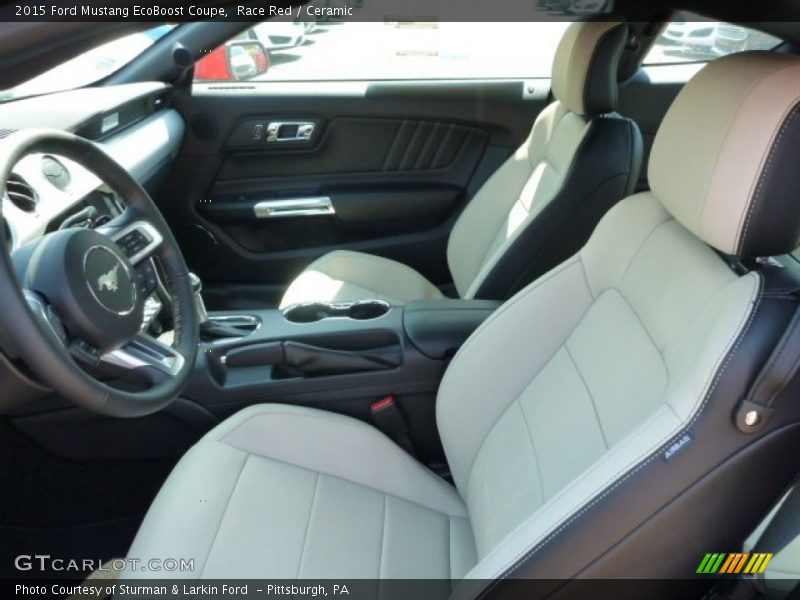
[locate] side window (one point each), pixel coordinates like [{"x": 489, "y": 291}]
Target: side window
[
  {"x": 690, "y": 38},
  {"x": 348, "y": 51}
]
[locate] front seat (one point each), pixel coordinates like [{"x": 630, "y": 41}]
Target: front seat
[
  {"x": 587, "y": 423},
  {"x": 537, "y": 210}
]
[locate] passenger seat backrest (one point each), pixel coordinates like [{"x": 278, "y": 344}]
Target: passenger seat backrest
[
  {"x": 588, "y": 423},
  {"x": 544, "y": 201}
]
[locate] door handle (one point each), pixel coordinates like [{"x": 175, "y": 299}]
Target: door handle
[
  {"x": 290, "y": 131},
  {"x": 294, "y": 207}
]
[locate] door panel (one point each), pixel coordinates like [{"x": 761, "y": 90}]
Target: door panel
[
  {"x": 378, "y": 177},
  {"x": 395, "y": 160}
]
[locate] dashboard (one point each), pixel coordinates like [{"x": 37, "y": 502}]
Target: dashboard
[{"x": 133, "y": 123}]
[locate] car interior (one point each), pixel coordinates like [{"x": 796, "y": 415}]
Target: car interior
[{"x": 471, "y": 330}]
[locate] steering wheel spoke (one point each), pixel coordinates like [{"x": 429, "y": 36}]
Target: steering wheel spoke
[
  {"x": 138, "y": 238},
  {"x": 153, "y": 358},
  {"x": 46, "y": 315}
]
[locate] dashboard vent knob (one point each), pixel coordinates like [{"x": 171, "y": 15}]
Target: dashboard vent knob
[{"x": 21, "y": 194}]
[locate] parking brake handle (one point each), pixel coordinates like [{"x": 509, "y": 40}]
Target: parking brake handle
[{"x": 306, "y": 360}]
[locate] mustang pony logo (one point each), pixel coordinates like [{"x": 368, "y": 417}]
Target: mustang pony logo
[{"x": 108, "y": 281}]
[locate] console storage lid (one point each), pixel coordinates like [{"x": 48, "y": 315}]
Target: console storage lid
[{"x": 438, "y": 328}]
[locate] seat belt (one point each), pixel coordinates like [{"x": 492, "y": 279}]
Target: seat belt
[
  {"x": 780, "y": 369},
  {"x": 387, "y": 417}
]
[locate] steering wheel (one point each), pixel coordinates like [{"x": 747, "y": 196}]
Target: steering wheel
[{"x": 72, "y": 297}]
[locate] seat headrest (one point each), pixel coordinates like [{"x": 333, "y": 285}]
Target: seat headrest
[
  {"x": 585, "y": 66},
  {"x": 725, "y": 160}
]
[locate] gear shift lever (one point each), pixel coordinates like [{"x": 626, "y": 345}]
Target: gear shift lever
[
  {"x": 199, "y": 305},
  {"x": 215, "y": 328}
]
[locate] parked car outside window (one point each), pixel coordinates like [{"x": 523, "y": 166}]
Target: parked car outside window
[{"x": 690, "y": 38}]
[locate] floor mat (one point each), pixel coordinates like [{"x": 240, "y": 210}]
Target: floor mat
[
  {"x": 69, "y": 509},
  {"x": 42, "y": 490},
  {"x": 96, "y": 542}
]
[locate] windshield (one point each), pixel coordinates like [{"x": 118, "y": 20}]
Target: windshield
[{"x": 89, "y": 67}]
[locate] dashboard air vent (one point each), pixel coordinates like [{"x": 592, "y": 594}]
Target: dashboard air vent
[{"x": 21, "y": 194}]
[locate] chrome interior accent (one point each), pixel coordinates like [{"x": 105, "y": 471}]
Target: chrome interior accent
[{"x": 294, "y": 207}]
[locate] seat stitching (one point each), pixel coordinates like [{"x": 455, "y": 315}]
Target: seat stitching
[
  {"x": 744, "y": 216},
  {"x": 308, "y": 525},
  {"x": 696, "y": 412},
  {"x": 552, "y": 533},
  {"x": 535, "y": 375},
  {"x": 531, "y": 222},
  {"x": 533, "y": 448},
  {"x": 650, "y": 337},
  {"x": 450, "y": 550},
  {"x": 505, "y": 307},
  {"x": 500, "y": 246},
  {"x": 675, "y": 335},
  {"x": 586, "y": 279},
  {"x": 757, "y": 196},
  {"x": 365, "y": 486},
  {"x": 222, "y": 516},
  {"x": 633, "y": 255},
  {"x": 373, "y": 433},
  {"x": 564, "y": 267},
  {"x": 640, "y": 427},
  {"x": 495, "y": 251},
  {"x": 640, "y": 248},
  {"x": 589, "y": 392},
  {"x": 383, "y": 544},
  {"x": 515, "y": 398},
  {"x": 585, "y": 474},
  {"x": 563, "y": 171},
  {"x": 725, "y": 358}
]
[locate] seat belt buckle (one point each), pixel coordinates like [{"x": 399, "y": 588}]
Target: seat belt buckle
[{"x": 389, "y": 419}]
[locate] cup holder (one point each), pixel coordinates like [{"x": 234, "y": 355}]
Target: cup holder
[{"x": 317, "y": 311}]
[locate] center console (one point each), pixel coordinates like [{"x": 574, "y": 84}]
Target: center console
[{"x": 342, "y": 357}]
